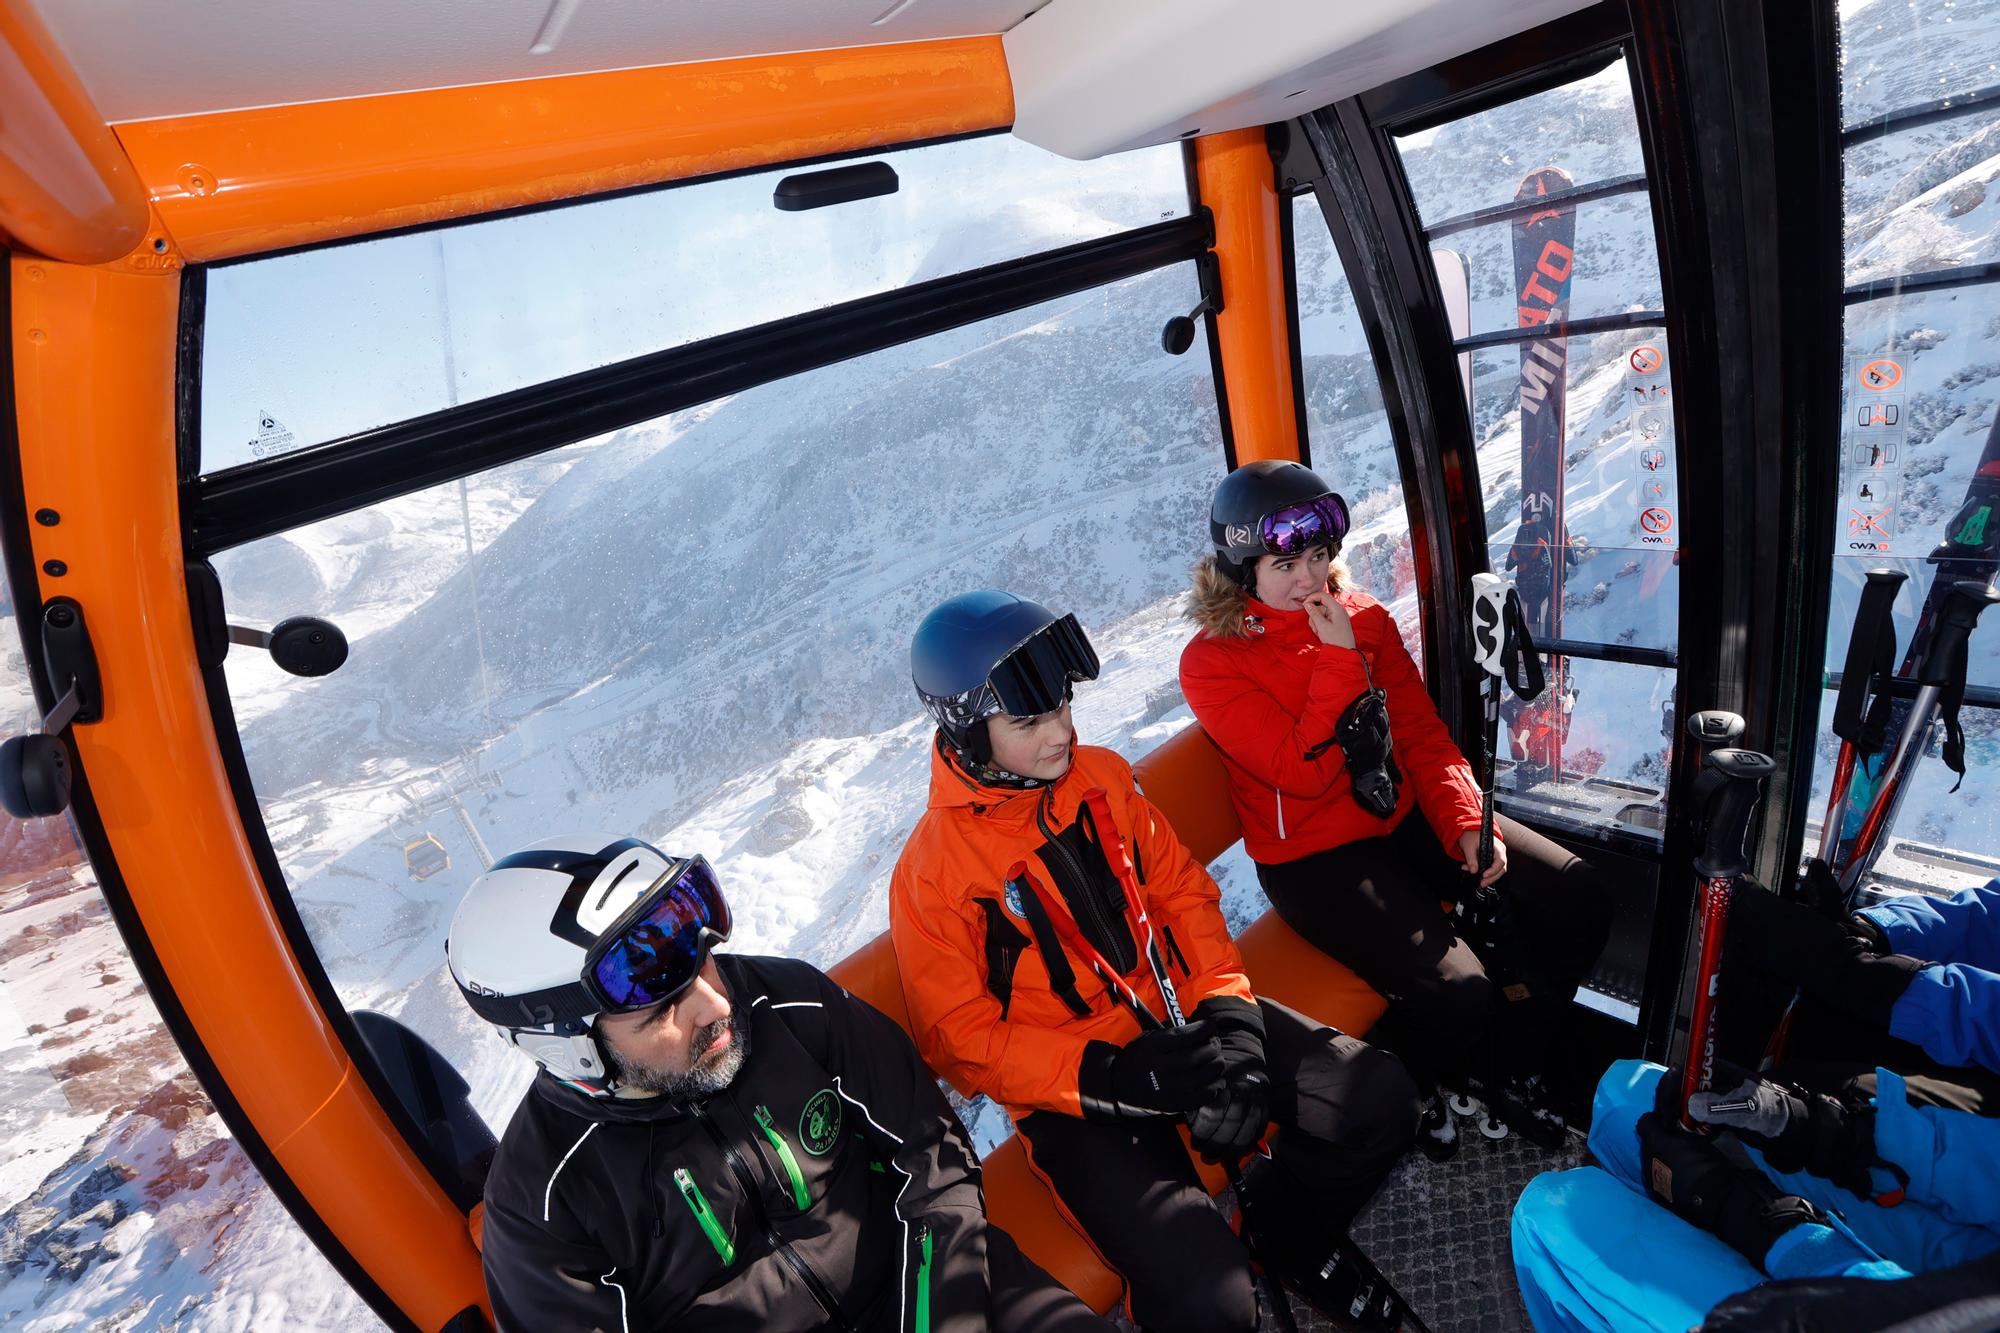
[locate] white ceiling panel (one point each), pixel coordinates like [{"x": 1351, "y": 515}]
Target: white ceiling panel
[{"x": 147, "y": 58}]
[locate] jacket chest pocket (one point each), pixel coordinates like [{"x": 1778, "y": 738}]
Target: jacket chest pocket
[{"x": 804, "y": 1148}]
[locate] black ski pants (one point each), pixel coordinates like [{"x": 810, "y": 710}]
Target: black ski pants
[
  {"x": 1374, "y": 905},
  {"x": 1346, "y": 1112},
  {"x": 1023, "y": 1298}
]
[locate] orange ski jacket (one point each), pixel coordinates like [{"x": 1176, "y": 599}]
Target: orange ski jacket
[
  {"x": 1270, "y": 695},
  {"x": 986, "y": 1012}
]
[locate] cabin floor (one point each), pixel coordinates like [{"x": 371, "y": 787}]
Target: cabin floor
[{"x": 1440, "y": 1231}]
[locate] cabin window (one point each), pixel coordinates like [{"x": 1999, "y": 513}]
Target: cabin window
[
  {"x": 1592, "y": 755},
  {"x": 696, "y": 630},
  {"x": 1348, "y": 428},
  {"x": 310, "y": 347},
  {"x": 1920, "y": 390}
]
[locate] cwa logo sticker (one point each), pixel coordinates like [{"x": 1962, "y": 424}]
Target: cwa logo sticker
[{"x": 819, "y": 1123}]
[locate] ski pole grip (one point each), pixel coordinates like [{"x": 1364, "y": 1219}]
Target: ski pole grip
[
  {"x": 1727, "y": 792},
  {"x": 1716, "y": 726},
  {"x": 1869, "y": 647},
  {"x": 1960, "y": 612}
]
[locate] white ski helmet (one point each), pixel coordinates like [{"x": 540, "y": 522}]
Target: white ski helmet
[{"x": 572, "y": 927}]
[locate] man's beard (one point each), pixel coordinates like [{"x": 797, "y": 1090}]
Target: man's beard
[{"x": 704, "y": 1078}]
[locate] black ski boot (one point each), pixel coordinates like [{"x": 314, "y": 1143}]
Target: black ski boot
[
  {"x": 1345, "y": 1287},
  {"x": 1437, "y": 1132},
  {"x": 1526, "y": 1105}
]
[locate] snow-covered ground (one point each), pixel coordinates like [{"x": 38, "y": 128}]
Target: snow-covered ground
[{"x": 695, "y": 630}]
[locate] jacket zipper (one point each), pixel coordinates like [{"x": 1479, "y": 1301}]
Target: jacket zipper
[
  {"x": 1281, "y": 813},
  {"x": 753, "y": 1199},
  {"x": 800, "y": 1195},
  {"x": 922, "y": 1322},
  {"x": 691, "y": 1192},
  {"x": 1105, "y": 938}
]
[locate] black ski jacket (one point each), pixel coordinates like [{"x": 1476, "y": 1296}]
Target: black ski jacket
[{"x": 829, "y": 1186}]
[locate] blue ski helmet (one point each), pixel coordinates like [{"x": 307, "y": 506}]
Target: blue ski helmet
[{"x": 989, "y": 652}]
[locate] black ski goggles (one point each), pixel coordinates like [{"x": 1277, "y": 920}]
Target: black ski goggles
[
  {"x": 1036, "y": 677},
  {"x": 653, "y": 953}
]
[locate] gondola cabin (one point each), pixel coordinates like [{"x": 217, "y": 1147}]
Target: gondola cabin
[{"x": 622, "y": 383}]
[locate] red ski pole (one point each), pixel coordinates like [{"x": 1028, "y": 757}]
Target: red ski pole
[{"x": 1726, "y": 794}]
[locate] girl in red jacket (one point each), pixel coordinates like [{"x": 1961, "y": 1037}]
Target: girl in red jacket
[{"x": 1361, "y": 814}]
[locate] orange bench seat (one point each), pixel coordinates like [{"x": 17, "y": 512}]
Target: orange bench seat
[{"x": 1186, "y": 780}]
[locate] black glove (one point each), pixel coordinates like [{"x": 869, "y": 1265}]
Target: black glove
[
  {"x": 1827, "y": 959},
  {"x": 1239, "y": 1030},
  {"x": 1164, "y": 1071},
  {"x": 1234, "y": 1120},
  {"x": 1739, "y": 1205}
]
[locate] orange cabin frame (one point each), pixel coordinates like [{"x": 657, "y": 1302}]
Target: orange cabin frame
[{"x": 94, "y": 346}]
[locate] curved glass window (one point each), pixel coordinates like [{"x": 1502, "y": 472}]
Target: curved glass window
[
  {"x": 1919, "y": 440},
  {"x": 696, "y": 630},
  {"x": 1568, "y": 425},
  {"x": 304, "y": 348},
  {"x": 124, "y": 1200}
]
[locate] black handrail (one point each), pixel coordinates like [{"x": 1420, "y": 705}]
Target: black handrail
[
  {"x": 1920, "y": 113},
  {"x": 1624, "y": 653},
  {"x": 1574, "y": 328},
  {"x": 1906, "y": 284},
  {"x": 1579, "y": 194}
]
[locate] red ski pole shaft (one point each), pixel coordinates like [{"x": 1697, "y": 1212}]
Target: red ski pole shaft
[{"x": 1726, "y": 792}]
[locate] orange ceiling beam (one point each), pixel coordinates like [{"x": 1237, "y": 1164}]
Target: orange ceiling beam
[
  {"x": 242, "y": 182},
  {"x": 1238, "y": 183},
  {"x": 66, "y": 188}
]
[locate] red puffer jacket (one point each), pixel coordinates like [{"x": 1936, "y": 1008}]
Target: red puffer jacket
[{"x": 1269, "y": 693}]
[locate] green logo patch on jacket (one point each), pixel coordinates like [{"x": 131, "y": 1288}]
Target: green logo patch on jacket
[{"x": 819, "y": 1123}]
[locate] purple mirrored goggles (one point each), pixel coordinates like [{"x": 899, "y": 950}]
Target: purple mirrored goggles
[{"x": 1298, "y": 528}]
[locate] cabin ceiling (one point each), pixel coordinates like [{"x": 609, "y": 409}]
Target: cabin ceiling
[{"x": 141, "y": 59}]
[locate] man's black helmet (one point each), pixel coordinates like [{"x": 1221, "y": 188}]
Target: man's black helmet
[
  {"x": 989, "y": 652},
  {"x": 1269, "y": 507}
]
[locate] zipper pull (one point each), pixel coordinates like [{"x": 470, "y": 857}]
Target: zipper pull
[
  {"x": 921, "y": 1322},
  {"x": 725, "y": 1248},
  {"x": 800, "y": 1195}
]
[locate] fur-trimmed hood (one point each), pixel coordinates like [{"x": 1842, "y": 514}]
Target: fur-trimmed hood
[{"x": 1217, "y": 602}]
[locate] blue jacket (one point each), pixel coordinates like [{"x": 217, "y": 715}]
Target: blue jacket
[{"x": 1952, "y": 1008}]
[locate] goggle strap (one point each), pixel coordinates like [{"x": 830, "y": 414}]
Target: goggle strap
[{"x": 550, "y": 1008}]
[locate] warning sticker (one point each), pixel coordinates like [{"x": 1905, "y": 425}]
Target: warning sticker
[
  {"x": 1652, "y": 460},
  {"x": 1868, "y": 529},
  {"x": 273, "y": 437},
  {"x": 1656, "y": 523},
  {"x": 1881, "y": 374},
  {"x": 1646, "y": 360}
]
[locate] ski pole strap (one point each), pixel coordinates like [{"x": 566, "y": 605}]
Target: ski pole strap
[
  {"x": 1049, "y": 939},
  {"x": 1871, "y": 657},
  {"x": 1725, "y": 796},
  {"x": 1948, "y": 662},
  {"x": 1119, "y": 856},
  {"x": 1071, "y": 938}
]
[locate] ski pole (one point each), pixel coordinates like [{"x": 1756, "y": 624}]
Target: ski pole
[
  {"x": 1071, "y": 938},
  {"x": 1871, "y": 654},
  {"x": 1940, "y": 684},
  {"x": 1726, "y": 793}
]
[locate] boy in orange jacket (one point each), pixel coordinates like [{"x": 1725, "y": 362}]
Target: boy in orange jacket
[{"x": 1039, "y": 878}]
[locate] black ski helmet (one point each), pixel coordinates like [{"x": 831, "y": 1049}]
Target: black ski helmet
[
  {"x": 1246, "y": 497},
  {"x": 989, "y": 652}
]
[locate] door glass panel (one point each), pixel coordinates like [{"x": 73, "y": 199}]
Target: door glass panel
[
  {"x": 696, "y": 630},
  {"x": 304, "y": 348},
  {"x": 1574, "y": 432},
  {"x": 1352, "y": 447},
  {"x": 1920, "y": 386}
]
